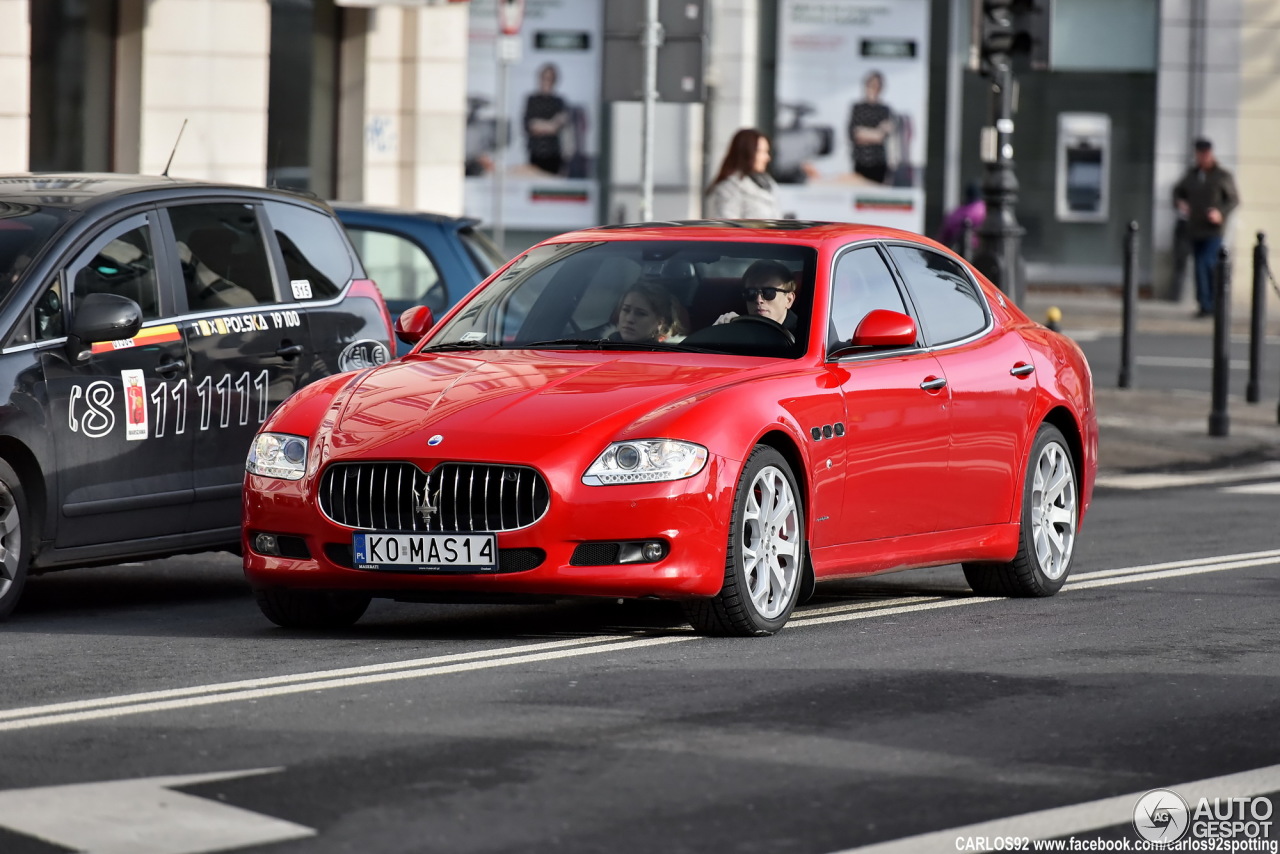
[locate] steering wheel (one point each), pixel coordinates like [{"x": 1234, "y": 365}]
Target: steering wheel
[{"x": 767, "y": 321}]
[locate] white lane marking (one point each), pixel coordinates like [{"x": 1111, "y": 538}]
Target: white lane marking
[
  {"x": 1077, "y": 818},
  {"x": 1161, "y": 480},
  {"x": 1272, "y": 488},
  {"x": 253, "y": 689},
  {"x": 142, "y": 817},
  {"x": 1188, "y": 362},
  {"x": 35, "y": 716}
]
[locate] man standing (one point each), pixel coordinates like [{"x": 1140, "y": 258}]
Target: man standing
[{"x": 1205, "y": 197}]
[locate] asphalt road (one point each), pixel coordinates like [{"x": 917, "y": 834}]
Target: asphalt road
[
  {"x": 1180, "y": 361},
  {"x": 152, "y": 709}
]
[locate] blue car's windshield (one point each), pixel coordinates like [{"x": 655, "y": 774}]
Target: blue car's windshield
[{"x": 643, "y": 295}]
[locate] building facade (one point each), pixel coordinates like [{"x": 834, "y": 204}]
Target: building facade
[{"x": 380, "y": 101}]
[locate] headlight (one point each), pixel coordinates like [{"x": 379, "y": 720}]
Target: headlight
[
  {"x": 646, "y": 461},
  {"x": 278, "y": 455}
]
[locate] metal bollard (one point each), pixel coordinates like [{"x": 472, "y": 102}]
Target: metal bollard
[
  {"x": 1258, "y": 321},
  {"x": 966, "y": 239},
  {"x": 1219, "y": 419},
  {"x": 1130, "y": 306}
]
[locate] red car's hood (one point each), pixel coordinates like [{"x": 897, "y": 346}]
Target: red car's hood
[{"x": 519, "y": 395}]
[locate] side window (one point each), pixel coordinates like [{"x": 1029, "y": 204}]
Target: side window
[
  {"x": 224, "y": 259},
  {"x": 861, "y": 283},
  {"x": 314, "y": 248},
  {"x": 949, "y": 303},
  {"x": 400, "y": 267},
  {"x": 120, "y": 261},
  {"x": 49, "y": 319}
]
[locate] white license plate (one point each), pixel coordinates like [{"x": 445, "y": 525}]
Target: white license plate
[{"x": 426, "y": 552}]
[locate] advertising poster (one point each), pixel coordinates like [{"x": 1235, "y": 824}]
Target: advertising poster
[
  {"x": 552, "y": 116},
  {"x": 852, "y": 94}
]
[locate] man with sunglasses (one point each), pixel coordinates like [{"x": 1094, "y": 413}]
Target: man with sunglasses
[{"x": 769, "y": 290}]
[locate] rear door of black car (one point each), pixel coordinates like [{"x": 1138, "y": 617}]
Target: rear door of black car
[
  {"x": 248, "y": 340},
  {"x": 119, "y": 415}
]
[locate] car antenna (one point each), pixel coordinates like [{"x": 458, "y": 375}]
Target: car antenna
[{"x": 165, "y": 173}]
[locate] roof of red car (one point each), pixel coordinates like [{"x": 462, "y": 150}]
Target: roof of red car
[{"x": 798, "y": 230}]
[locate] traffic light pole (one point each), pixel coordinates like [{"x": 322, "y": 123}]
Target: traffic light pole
[{"x": 999, "y": 256}]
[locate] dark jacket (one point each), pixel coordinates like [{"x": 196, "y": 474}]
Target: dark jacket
[{"x": 1215, "y": 188}]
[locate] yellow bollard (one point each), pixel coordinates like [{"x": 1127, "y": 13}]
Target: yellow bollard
[{"x": 1052, "y": 317}]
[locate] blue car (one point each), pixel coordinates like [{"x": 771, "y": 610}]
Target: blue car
[{"x": 419, "y": 258}]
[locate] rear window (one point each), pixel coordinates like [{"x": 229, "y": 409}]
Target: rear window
[
  {"x": 24, "y": 232},
  {"x": 315, "y": 251}
]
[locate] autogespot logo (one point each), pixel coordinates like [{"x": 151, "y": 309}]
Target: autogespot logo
[{"x": 1161, "y": 816}]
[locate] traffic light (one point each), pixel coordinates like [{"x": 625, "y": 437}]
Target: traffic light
[{"x": 1010, "y": 30}]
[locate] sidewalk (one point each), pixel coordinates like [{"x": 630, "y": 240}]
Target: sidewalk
[{"x": 1145, "y": 430}]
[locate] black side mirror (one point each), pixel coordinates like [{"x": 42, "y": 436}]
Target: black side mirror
[{"x": 102, "y": 317}]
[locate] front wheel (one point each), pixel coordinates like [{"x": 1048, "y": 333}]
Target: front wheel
[
  {"x": 1050, "y": 514},
  {"x": 14, "y": 555},
  {"x": 764, "y": 565},
  {"x": 311, "y": 609}
]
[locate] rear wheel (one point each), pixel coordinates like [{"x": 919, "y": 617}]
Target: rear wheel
[
  {"x": 311, "y": 609},
  {"x": 764, "y": 566},
  {"x": 14, "y": 527},
  {"x": 1046, "y": 541}
]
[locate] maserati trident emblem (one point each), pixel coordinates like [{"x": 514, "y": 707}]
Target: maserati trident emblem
[{"x": 425, "y": 508}]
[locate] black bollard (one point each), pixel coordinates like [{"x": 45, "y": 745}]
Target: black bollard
[
  {"x": 1219, "y": 420},
  {"x": 1258, "y": 321},
  {"x": 966, "y": 239},
  {"x": 1130, "y": 306}
]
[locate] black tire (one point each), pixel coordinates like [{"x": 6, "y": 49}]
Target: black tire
[
  {"x": 311, "y": 609},
  {"x": 1049, "y": 519},
  {"x": 764, "y": 568},
  {"x": 15, "y": 553}
]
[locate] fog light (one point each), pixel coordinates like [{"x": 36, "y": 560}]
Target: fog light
[
  {"x": 652, "y": 551},
  {"x": 266, "y": 544},
  {"x": 648, "y": 551}
]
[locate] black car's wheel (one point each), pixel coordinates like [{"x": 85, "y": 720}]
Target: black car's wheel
[
  {"x": 764, "y": 567},
  {"x": 311, "y": 609},
  {"x": 14, "y": 555},
  {"x": 1046, "y": 542}
]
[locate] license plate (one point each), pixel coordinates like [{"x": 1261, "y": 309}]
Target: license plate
[{"x": 426, "y": 552}]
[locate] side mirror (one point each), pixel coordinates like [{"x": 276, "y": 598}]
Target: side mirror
[
  {"x": 102, "y": 317},
  {"x": 884, "y": 328},
  {"x": 413, "y": 323}
]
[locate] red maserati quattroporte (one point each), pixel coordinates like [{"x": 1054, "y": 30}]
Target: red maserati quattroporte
[{"x": 721, "y": 413}]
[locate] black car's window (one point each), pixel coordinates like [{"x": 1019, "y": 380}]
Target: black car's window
[
  {"x": 224, "y": 258},
  {"x": 949, "y": 303},
  {"x": 861, "y": 282},
  {"x": 575, "y": 295},
  {"x": 121, "y": 261},
  {"x": 24, "y": 231},
  {"x": 314, "y": 248},
  {"x": 400, "y": 267}
]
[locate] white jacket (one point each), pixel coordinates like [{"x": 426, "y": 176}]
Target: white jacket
[{"x": 739, "y": 197}]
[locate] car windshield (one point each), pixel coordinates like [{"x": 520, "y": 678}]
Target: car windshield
[
  {"x": 24, "y": 232},
  {"x": 644, "y": 295}
]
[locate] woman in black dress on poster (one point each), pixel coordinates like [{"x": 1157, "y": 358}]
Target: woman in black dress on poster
[
  {"x": 870, "y": 123},
  {"x": 545, "y": 115}
]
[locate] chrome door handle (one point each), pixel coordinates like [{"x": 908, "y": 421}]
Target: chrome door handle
[
  {"x": 1022, "y": 369},
  {"x": 934, "y": 383}
]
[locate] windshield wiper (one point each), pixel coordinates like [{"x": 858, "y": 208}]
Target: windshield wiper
[{"x": 461, "y": 345}]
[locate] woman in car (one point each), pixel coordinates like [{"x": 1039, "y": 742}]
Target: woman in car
[{"x": 646, "y": 314}]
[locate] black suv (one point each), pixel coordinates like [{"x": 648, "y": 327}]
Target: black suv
[{"x": 147, "y": 328}]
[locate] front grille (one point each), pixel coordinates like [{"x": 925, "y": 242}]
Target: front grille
[
  {"x": 509, "y": 560},
  {"x": 463, "y": 497}
]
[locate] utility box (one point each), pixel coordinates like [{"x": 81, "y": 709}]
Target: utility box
[{"x": 1084, "y": 167}]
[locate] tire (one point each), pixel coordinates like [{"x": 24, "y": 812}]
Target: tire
[
  {"x": 764, "y": 566},
  {"x": 1047, "y": 535},
  {"x": 311, "y": 609},
  {"x": 15, "y": 555}
]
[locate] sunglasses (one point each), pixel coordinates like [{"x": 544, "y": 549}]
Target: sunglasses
[{"x": 750, "y": 294}]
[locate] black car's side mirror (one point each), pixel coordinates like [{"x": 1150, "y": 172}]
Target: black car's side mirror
[
  {"x": 101, "y": 317},
  {"x": 413, "y": 323}
]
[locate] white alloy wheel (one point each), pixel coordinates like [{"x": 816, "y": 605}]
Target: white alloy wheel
[
  {"x": 1053, "y": 510},
  {"x": 771, "y": 543}
]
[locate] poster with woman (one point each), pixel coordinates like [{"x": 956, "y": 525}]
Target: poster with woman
[
  {"x": 852, "y": 94},
  {"x": 551, "y": 116}
]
